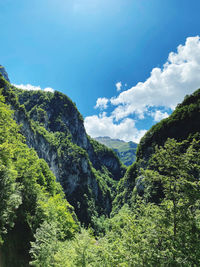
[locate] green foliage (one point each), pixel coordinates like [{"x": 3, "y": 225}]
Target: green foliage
[
  {"x": 54, "y": 128},
  {"x": 77, "y": 252},
  {"x": 39, "y": 103},
  {"x": 48, "y": 243},
  {"x": 38, "y": 114},
  {"x": 55, "y": 209},
  {"x": 177, "y": 169},
  {"x": 104, "y": 155},
  {"x": 182, "y": 123},
  {"x": 159, "y": 228},
  {"x": 45, "y": 246},
  {"x": 100, "y": 149},
  {"x": 30, "y": 195},
  {"x": 9, "y": 188},
  {"x": 125, "y": 188},
  {"x": 148, "y": 234},
  {"x": 106, "y": 183}
]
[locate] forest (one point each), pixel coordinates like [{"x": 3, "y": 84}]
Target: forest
[{"x": 67, "y": 200}]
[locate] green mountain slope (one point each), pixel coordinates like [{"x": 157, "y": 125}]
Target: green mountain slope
[
  {"x": 155, "y": 219},
  {"x": 30, "y": 195},
  {"x": 182, "y": 124},
  {"x": 52, "y": 125},
  {"x": 125, "y": 150}
]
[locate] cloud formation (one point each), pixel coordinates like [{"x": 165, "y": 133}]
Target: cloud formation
[
  {"x": 103, "y": 125},
  {"x": 159, "y": 115},
  {"x": 165, "y": 87},
  {"x": 30, "y": 87},
  {"x": 118, "y": 86},
  {"x": 101, "y": 103}
]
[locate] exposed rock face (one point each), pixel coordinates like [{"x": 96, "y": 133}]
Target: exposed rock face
[
  {"x": 61, "y": 115},
  {"x": 54, "y": 128},
  {"x": 4, "y": 73}
]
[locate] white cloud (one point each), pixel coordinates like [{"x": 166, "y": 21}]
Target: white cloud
[
  {"x": 166, "y": 86},
  {"x": 102, "y": 103},
  {"x": 159, "y": 115},
  {"x": 103, "y": 125},
  {"x": 118, "y": 86},
  {"x": 30, "y": 87},
  {"x": 49, "y": 89}
]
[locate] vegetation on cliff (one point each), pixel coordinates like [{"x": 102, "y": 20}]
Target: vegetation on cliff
[
  {"x": 146, "y": 233},
  {"x": 30, "y": 195},
  {"x": 148, "y": 217},
  {"x": 54, "y": 128}
]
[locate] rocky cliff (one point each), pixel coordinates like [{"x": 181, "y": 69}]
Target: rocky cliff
[{"x": 52, "y": 126}]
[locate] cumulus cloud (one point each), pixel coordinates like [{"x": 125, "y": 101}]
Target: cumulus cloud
[
  {"x": 159, "y": 115},
  {"x": 103, "y": 125},
  {"x": 166, "y": 86},
  {"x": 49, "y": 89},
  {"x": 102, "y": 103},
  {"x": 30, "y": 87},
  {"x": 118, "y": 86}
]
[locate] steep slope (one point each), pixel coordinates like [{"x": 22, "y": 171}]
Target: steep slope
[
  {"x": 183, "y": 124},
  {"x": 30, "y": 195},
  {"x": 126, "y": 151},
  {"x": 52, "y": 125}
]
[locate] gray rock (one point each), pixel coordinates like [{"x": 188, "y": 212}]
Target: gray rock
[{"x": 72, "y": 158}]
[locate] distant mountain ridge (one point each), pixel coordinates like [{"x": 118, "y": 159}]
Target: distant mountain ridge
[{"x": 125, "y": 150}]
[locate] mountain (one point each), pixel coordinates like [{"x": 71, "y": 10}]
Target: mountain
[
  {"x": 30, "y": 196},
  {"x": 53, "y": 127},
  {"x": 182, "y": 125},
  {"x": 147, "y": 215},
  {"x": 126, "y": 151}
]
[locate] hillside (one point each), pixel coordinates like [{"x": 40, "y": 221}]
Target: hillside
[
  {"x": 30, "y": 195},
  {"x": 52, "y": 125},
  {"x": 182, "y": 125},
  {"x": 126, "y": 151},
  {"x": 66, "y": 200}
]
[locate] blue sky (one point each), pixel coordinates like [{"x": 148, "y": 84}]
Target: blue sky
[{"x": 85, "y": 47}]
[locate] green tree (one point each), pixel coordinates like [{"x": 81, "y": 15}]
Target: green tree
[
  {"x": 9, "y": 189},
  {"x": 176, "y": 167}
]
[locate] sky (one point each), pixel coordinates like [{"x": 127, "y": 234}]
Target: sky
[{"x": 125, "y": 63}]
